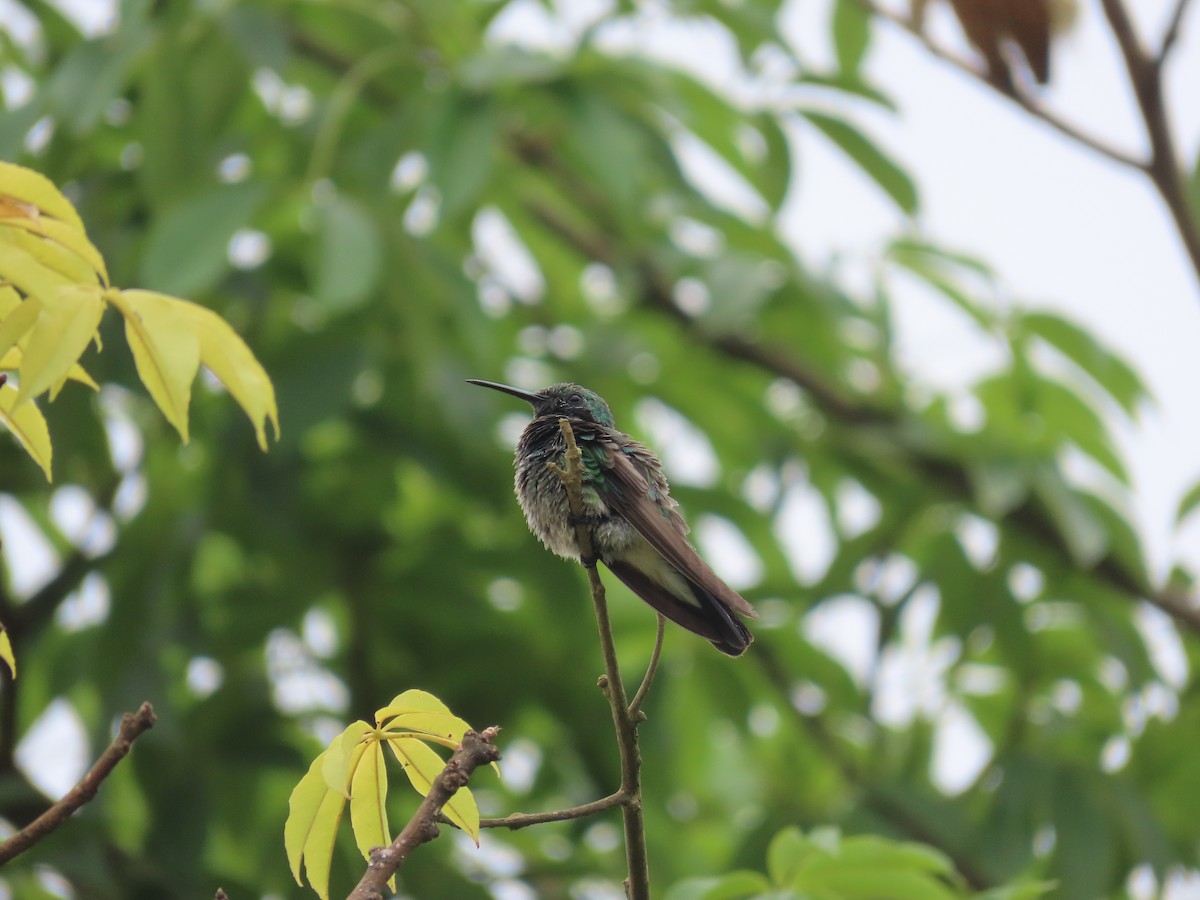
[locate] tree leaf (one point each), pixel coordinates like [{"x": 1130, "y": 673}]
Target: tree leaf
[
  {"x": 342, "y": 756},
  {"x": 22, "y": 269},
  {"x": 28, "y": 425},
  {"x": 17, "y": 321},
  {"x": 6, "y": 652},
  {"x": 851, "y": 34},
  {"x": 368, "y": 793},
  {"x": 1107, "y": 369},
  {"x": 65, "y": 235},
  {"x": 187, "y": 249},
  {"x": 37, "y": 190},
  {"x": 874, "y": 162},
  {"x": 64, "y": 328},
  {"x": 1188, "y": 504},
  {"x": 314, "y": 812},
  {"x": 165, "y": 348},
  {"x": 225, "y": 354},
  {"x": 422, "y": 765},
  {"x": 786, "y": 853},
  {"x": 349, "y": 256}
]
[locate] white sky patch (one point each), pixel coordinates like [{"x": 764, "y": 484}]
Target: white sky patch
[
  {"x": 858, "y": 509},
  {"x": 31, "y": 558},
  {"x": 299, "y": 684},
  {"x": 522, "y": 762},
  {"x": 911, "y": 679},
  {"x": 961, "y": 750},
  {"x": 87, "y": 606},
  {"x": 53, "y": 754},
  {"x": 847, "y": 628},
  {"x": 687, "y": 454},
  {"x": 1166, "y": 649},
  {"x": 92, "y": 17},
  {"x": 506, "y": 257},
  {"x": 728, "y": 552},
  {"x": 803, "y": 529}
]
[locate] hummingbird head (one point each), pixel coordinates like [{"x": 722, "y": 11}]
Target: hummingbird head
[{"x": 566, "y": 400}]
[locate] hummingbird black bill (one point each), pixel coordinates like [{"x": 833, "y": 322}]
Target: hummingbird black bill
[{"x": 527, "y": 396}]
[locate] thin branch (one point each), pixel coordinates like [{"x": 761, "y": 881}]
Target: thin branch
[
  {"x": 475, "y": 750},
  {"x": 637, "y": 884},
  {"x": 133, "y": 725},
  {"x": 1145, "y": 76},
  {"x": 635, "y": 705},
  {"x": 1011, "y": 91},
  {"x": 1171, "y": 35},
  {"x": 524, "y": 820}
]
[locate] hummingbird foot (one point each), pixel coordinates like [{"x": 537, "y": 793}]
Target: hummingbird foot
[{"x": 588, "y": 562}]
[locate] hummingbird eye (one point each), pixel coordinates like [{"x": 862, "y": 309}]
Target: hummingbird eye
[{"x": 576, "y": 397}]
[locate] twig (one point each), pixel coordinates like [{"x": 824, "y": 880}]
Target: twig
[
  {"x": 1171, "y": 35},
  {"x": 524, "y": 820},
  {"x": 475, "y": 750},
  {"x": 1145, "y": 75},
  {"x": 1011, "y": 91},
  {"x": 637, "y": 884},
  {"x": 133, "y": 725},
  {"x": 635, "y": 705}
]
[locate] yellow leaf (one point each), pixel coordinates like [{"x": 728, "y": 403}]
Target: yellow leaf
[
  {"x": 66, "y": 236},
  {"x": 449, "y": 729},
  {"x": 165, "y": 348},
  {"x": 49, "y": 254},
  {"x": 26, "y": 423},
  {"x": 227, "y": 357},
  {"x": 341, "y": 757},
  {"x": 11, "y": 362},
  {"x": 37, "y": 190},
  {"x": 422, "y": 765},
  {"x": 412, "y": 701},
  {"x": 6, "y": 651},
  {"x": 20, "y": 268},
  {"x": 368, "y": 791},
  {"x": 314, "y": 813},
  {"x": 62, "y": 332},
  {"x": 16, "y": 323},
  {"x": 9, "y": 300}
]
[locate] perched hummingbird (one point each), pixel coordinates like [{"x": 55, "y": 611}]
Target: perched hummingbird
[{"x": 629, "y": 512}]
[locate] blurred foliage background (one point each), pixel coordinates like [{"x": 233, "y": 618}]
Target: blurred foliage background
[{"x": 385, "y": 201}]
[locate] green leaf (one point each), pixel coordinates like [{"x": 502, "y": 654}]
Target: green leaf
[
  {"x": 1188, "y": 504},
  {"x": 786, "y": 853},
  {"x": 461, "y": 150},
  {"x": 187, "y": 248},
  {"x": 893, "y": 180},
  {"x": 851, "y": 34},
  {"x": 731, "y": 886},
  {"x": 1086, "y": 538},
  {"x": 422, "y": 765},
  {"x": 342, "y": 757},
  {"x": 1107, "y": 369},
  {"x": 94, "y": 73},
  {"x": 349, "y": 258}
]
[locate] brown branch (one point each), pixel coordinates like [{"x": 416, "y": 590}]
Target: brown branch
[
  {"x": 637, "y": 883},
  {"x": 1145, "y": 76},
  {"x": 524, "y": 820},
  {"x": 635, "y": 705},
  {"x": 1171, "y": 35},
  {"x": 133, "y": 725},
  {"x": 475, "y": 750},
  {"x": 1008, "y": 90}
]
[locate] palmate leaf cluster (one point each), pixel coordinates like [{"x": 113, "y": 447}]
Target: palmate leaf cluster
[
  {"x": 351, "y": 771},
  {"x": 54, "y": 290},
  {"x": 387, "y": 199}
]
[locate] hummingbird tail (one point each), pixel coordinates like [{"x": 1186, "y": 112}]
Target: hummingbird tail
[{"x": 708, "y": 616}]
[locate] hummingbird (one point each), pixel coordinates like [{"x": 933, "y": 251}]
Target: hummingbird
[{"x": 628, "y": 510}]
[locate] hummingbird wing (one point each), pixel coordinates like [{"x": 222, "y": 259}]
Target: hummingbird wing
[{"x": 687, "y": 592}]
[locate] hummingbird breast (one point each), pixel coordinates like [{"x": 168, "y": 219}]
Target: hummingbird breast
[{"x": 543, "y": 498}]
